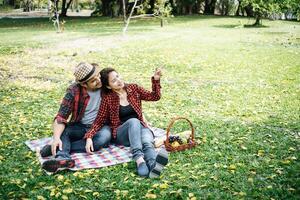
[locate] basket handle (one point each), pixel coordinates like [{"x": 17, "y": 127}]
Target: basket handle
[{"x": 176, "y": 119}]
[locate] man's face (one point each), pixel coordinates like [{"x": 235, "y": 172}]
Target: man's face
[{"x": 94, "y": 83}]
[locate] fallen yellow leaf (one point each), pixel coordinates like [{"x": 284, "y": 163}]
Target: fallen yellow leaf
[
  {"x": 243, "y": 147},
  {"x": 68, "y": 191},
  {"x": 60, "y": 177},
  {"x": 260, "y": 153},
  {"x": 164, "y": 186},
  {"x": 41, "y": 198},
  {"x": 64, "y": 197},
  {"x": 242, "y": 193},
  {"x": 96, "y": 194},
  {"x": 286, "y": 162},
  {"x": 150, "y": 196},
  {"x": 232, "y": 167}
]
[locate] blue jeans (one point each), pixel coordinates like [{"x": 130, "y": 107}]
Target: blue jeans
[
  {"x": 73, "y": 141},
  {"x": 140, "y": 139}
]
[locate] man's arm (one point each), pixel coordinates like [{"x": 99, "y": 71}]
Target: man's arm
[
  {"x": 58, "y": 129},
  {"x": 61, "y": 119}
]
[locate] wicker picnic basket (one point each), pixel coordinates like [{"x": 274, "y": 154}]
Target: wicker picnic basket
[{"x": 181, "y": 147}]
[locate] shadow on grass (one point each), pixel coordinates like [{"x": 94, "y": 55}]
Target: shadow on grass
[
  {"x": 255, "y": 26},
  {"x": 239, "y": 26},
  {"x": 227, "y": 26},
  {"x": 275, "y": 33}
]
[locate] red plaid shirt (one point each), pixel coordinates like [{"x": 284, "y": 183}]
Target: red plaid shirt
[
  {"x": 74, "y": 103},
  {"x": 109, "y": 108}
]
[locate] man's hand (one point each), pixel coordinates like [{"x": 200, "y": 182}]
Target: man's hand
[
  {"x": 157, "y": 74},
  {"x": 89, "y": 145},
  {"x": 56, "y": 143}
]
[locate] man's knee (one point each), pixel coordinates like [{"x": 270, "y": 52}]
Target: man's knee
[{"x": 66, "y": 132}]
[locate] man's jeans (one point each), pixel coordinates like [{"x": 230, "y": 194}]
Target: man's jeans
[
  {"x": 73, "y": 141},
  {"x": 140, "y": 139}
]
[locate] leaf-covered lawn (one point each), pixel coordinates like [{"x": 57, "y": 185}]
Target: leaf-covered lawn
[{"x": 239, "y": 86}]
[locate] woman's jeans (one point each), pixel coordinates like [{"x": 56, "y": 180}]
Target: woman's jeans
[
  {"x": 73, "y": 141},
  {"x": 140, "y": 139}
]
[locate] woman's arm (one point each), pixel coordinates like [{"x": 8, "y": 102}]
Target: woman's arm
[
  {"x": 102, "y": 116},
  {"x": 155, "y": 94},
  {"x": 97, "y": 124}
]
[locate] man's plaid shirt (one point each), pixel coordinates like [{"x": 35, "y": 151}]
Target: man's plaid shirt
[
  {"x": 109, "y": 108},
  {"x": 74, "y": 103}
]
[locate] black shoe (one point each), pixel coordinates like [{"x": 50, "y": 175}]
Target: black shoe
[
  {"x": 46, "y": 151},
  {"x": 160, "y": 162},
  {"x": 55, "y": 165}
]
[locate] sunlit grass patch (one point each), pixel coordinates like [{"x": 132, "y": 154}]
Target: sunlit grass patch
[{"x": 239, "y": 87}]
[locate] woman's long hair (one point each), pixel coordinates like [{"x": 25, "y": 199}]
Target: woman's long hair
[{"x": 104, "y": 78}]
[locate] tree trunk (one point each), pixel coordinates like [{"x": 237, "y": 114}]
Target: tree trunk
[
  {"x": 209, "y": 7},
  {"x": 237, "y": 13},
  {"x": 151, "y": 3},
  {"x": 49, "y": 6},
  {"x": 257, "y": 20},
  {"x": 223, "y": 8},
  {"x": 197, "y": 7},
  {"x": 11, "y": 2},
  {"x": 173, "y": 6},
  {"x": 105, "y": 8},
  {"x": 64, "y": 7},
  {"x": 249, "y": 11},
  {"x": 189, "y": 9},
  {"x": 27, "y": 6},
  {"x": 124, "y": 11},
  {"x": 129, "y": 17}
]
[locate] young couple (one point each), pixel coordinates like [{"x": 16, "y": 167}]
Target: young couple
[{"x": 103, "y": 109}]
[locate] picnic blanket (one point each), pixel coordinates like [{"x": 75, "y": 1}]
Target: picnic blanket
[{"x": 112, "y": 155}]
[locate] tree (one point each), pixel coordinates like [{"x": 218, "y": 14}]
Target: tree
[
  {"x": 64, "y": 7},
  {"x": 209, "y": 7},
  {"x": 188, "y": 5},
  {"x": 260, "y": 8},
  {"x": 162, "y": 9},
  {"x": 244, "y": 8},
  {"x": 290, "y": 7},
  {"x": 27, "y": 5},
  {"x": 267, "y": 8},
  {"x": 238, "y": 11},
  {"x": 225, "y": 6}
]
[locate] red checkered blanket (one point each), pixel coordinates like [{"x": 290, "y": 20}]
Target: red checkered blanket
[{"x": 112, "y": 155}]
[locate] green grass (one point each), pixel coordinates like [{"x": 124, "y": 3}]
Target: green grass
[{"x": 239, "y": 86}]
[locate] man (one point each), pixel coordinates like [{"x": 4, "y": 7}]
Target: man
[{"x": 81, "y": 101}]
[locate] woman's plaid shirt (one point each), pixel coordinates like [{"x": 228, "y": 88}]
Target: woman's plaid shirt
[{"x": 109, "y": 108}]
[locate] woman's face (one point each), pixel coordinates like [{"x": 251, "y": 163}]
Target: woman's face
[{"x": 114, "y": 81}]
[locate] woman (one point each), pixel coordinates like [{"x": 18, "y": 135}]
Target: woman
[{"x": 122, "y": 106}]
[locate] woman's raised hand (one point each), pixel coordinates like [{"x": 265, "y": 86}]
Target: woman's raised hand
[{"x": 157, "y": 74}]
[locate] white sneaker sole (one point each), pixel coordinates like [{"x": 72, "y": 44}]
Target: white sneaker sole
[{"x": 161, "y": 162}]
